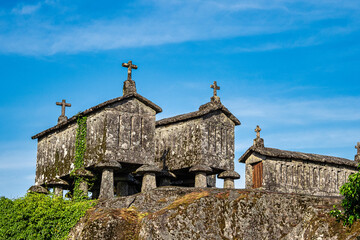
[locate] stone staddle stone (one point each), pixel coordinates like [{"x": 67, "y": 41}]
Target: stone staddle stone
[
  {"x": 229, "y": 174},
  {"x": 200, "y": 168},
  {"x": 149, "y": 178},
  {"x": 57, "y": 182},
  {"x": 107, "y": 178},
  {"x": 109, "y": 164},
  {"x": 83, "y": 173},
  {"x": 147, "y": 169},
  {"x": 229, "y": 177},
  {"x": 107, "y": 183},
  {"x": 37, "y": 189},
  {"x": 59, "y": 185},
  {"x": 200, "y": 175}
]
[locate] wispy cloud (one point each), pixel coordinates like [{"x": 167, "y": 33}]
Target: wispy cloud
[
  {"x": 165, "y": 22},
  {"x": 300, "y": 125},
  {"x": 297, "y": 111},
  {"x": 17, "y": 159},
  {"x": 26, "y": 9}
]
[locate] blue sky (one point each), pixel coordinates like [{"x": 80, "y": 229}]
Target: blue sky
[{"x": 290, "y": 66}]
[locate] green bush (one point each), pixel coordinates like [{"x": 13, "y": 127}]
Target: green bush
[
  {"x": 351, "y": 202},
  {"x": 39, "y": 216}
]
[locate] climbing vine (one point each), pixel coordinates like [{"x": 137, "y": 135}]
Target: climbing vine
[
  {"x": 80, "y": 142},
  {"x": 351, "y": 202},
  {"x": 80, "y": 148}
]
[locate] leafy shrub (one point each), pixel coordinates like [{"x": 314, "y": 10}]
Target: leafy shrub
[
  {"x": 39, "y": 216},
  {"x": 351, "y": 202}
]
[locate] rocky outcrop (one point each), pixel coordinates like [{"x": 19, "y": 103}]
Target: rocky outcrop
[{"x": 196, "y": 213}]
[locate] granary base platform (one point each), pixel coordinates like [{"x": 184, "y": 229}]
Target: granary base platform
[{"x": 211, "y": 213}]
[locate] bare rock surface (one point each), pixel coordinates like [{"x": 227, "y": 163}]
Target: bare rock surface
[{"x": 210, "y": 213}]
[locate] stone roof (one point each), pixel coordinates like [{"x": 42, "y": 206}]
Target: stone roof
[
  {"x": 203, "y": 110},
  {"x": 283, "y": 154},
  {"x": 98, "y": 107}
]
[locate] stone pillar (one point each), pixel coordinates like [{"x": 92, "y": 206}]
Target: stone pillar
[
  {"x": 229, "y": 177},
  {"x": 149, "y": 176},
  {"x": 58, "y": 186},
  {"x": 83, "y": 186},
  {"x": 107, "y": 178},
  {"x": 37, "y": 189},
  {"x": 229, "y": 183},
  {"x": 82, "y": 173},
  {"x": 107, "y": 184},
  {"x": 211, "y": 180},
  {"x": 200, "y": 175},
  {"x": 148, "y": 182},
  {"x": 58, "y": 191},
  {"x": 200, "y": 179}
]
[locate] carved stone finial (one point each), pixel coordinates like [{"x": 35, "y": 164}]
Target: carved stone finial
[
  {"x": 358, "y": 148},
  {"x": 129, "y": 84},
  {"x": 214, "y": 86},
  {"x": 257, "y": 130},
  {"x": 129, "y": 66},
  {"x": 357, "y": 156},
  {"x": 258, "y": 141},
  {"x": 63, "y": 105}
]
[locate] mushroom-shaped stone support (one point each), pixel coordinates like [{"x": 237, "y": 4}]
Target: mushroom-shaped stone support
[
  {"x": 229, "y": 177},
  {"x": 85, "y": 174},
  {"x": 200, "y": 174},
  {"x": 149, "y": 176},
  {"x": 58, "y": 185},
  {"x": 166, "y": 177},
  {"x": 37, "y": 189},
  {"x": 107, "y": 178}
]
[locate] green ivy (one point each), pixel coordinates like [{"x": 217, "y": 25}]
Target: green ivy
[
  {"x": 80, "y": 148},
  {"x": 80, "y": 142},
  {"x": 351, "y": 202},
  {"x": 39, "y": 216}
]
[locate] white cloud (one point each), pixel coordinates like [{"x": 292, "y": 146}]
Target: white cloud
[
  {"x": 329, "y": 125},
  {"x": 26, "y": 9},
  {"x": 297, "y": 111},
  {"x": 172, "y": 22},
  {"x": 17, "y": 159}
]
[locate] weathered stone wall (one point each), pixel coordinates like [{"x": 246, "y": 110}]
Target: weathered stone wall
[
  {"x": 55, "y": 154},
  {"x": 123, "y": 131},
  {"x": 297, "y": 176},
  {"x": 130, "y": 131},
  {"x": 190, "y": 213},
  {"x": 208, "y": 140}
]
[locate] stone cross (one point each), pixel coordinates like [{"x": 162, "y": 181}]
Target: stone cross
[
  {"x": 358, "y": 148},
  {"x": 63, "y": 104},
  {"x": 129, "y": 66},
  {"x": 257, "y": 130},
  {"x": 215, "y": 87}
]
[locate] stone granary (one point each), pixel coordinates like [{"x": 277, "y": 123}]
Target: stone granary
[
  {"x": 295, "y": 172},
  {"x": 128, "y": 151},
  {"x": 200, "y": 142}
]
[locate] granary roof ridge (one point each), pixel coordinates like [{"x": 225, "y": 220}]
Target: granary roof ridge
[
  {"x": 284, "y": 154},
  {"x": 97, "y": 107},
  {"x": 203, "y": 110}
]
